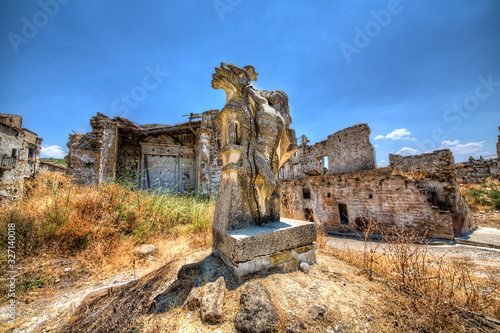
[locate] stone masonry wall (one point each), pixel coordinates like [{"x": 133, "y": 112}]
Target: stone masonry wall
[
  {"x": 392, "y": 200},
  {"x": 345, "y": 151},
  {"x": 92, "y": 156},
  {"x": 207, "y": 150},
  {"x": 435, "y": 173},
  {"x": 19, "y": 155}
]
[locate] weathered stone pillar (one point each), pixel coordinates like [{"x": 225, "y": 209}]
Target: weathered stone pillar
[{"x": 255, "y": 141}]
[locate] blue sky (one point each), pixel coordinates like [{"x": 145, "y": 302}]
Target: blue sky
[{"x": 424, "y": 75}]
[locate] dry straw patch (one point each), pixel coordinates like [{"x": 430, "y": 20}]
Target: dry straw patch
[
  {"x": 440, "y": 292},
  {"x": 98, "y": 227}
]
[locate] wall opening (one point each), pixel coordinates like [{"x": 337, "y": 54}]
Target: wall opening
[
  {"x": 370, "y": 196},
  {"x": 344, "y": 217},
  {"x": 306, "y": 193},
  {"x": 328, "y": 195},
  {"x": 309, "y": 214},
  {"x": 31, "y": 152},
  {"x": 14, "y": 153},
  {"x": 237, "y": 132}
]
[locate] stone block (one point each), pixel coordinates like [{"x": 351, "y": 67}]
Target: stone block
[{"x": 268, "y": 239}]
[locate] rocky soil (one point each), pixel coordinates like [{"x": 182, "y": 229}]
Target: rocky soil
[{"x": 198, "y": 294}]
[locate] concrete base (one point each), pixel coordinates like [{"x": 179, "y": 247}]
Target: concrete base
[
  {"x": 283, "y": 261},
  {"x": 275, "y": 246}
]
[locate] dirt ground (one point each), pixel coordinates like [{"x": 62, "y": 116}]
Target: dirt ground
[{"x": 354, "y": 302}]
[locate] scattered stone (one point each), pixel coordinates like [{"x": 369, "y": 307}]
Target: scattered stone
[
  {"x": 257, "y": 313},
  {"x": 340, "y": 328},
  {"x": 296, "y": 326},
  {"x": 304, "y": 266},
  {"x": 151, "y": 258},
  {"x": 28, "y": 300},
  {"x": 67, "y": 269},
  {"x": 365, "y": 272},
  {"x": 317, "y": 311},
  {"x": 194, "y": 298},
  {"x": 369, "y": 318},
  {"x": 145, "y": 249},
  {"x": 190, "y": 314},
  {"x": 213, "y": 300}
]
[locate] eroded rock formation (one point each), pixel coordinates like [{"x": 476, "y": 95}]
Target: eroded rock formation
[{"x": 256, "y": 140}]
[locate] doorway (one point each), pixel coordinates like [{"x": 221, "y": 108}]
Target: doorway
[{"x": 344, "y": 217}]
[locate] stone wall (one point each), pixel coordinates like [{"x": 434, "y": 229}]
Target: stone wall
[
  {"x": 51, "y": 167},
  {"x": 478, "y": 170},
  {"x": 347, "y": 150},
  {"x": 391, "y": 200},
  {"x": 435, "y": 173},
  {"x": 117, "y": 149},
  {"x": 85, "y": 159},
  {"x": 208, "y": 153},
  {"x": 419, "y": 193},
  {"x": 19, "y": 155}
]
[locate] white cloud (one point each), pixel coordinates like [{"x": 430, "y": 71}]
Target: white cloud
[
  {"x": 382, "y": 163},
  {"x": 407, "y": 151},
  {"x": 376, "y": 146},
  {"x": 397, "y": 134},
  {"x": 457, "y": 148},
  {"x": 53, "y": 151}
]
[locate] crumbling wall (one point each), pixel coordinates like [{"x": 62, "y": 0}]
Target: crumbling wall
[
  {"x": 19, "y": 155},
  {"x": 390, "y": 200},
  {"x": 92, "y": 157},
  {"x": 207, "y": 152},
  {"x": 435, "y": 173},
  {"x": 51, "y": 167},
  {"x": 477, "y": 171},
  {"x": 347, "y": 150}
]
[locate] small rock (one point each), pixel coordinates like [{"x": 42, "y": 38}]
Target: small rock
[
  {"x": 151, "y": 258},
  {"x": 194, "y": 298},
  {"x": 369, "y": 318},
  {"x": 317, "y": 311},
  {"x": 213, "y": 300},
  {"x": 341, "y": 328},
  {"x": 304, "y": 266},
  {"x": 257, "y": 313},
  {"x": 365, "y": 272},
  {"x": 145, "y": 249},
  {"x": 28, "y": 300},
  {"x": 296, "y": 326},
  {"x": 190, "y": 314},
  {"x": 67, "y": 269}
]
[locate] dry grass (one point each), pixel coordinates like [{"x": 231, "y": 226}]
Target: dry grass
[
  {"x": 482, "y": 197},
  {"x": 439, "y": 291},
  {"x": 98, "y": 227}
]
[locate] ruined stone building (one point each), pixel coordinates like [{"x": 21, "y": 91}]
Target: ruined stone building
[
  {"x": 179, "y": 158},
  {"x": 478, "y": 170},
  {"x": 19, "y": 155},
  {"x": 334, "y": 182}
]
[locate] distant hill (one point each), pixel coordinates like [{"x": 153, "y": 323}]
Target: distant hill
[{"x": 61, "y": 161}]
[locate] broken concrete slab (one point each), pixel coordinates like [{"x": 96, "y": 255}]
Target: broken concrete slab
[
  {"x": 257, "y": 313},
  {"x": 213, "y": 300}
]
